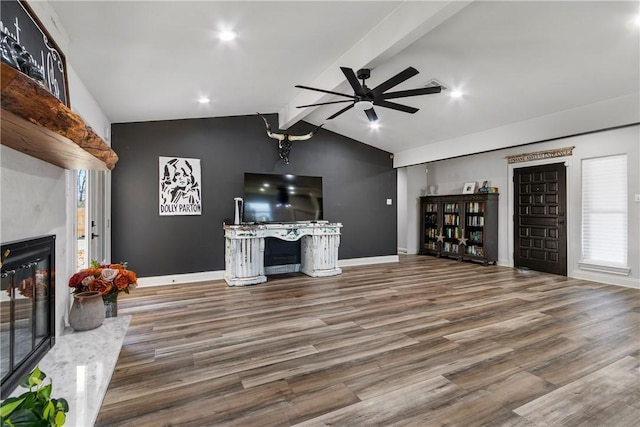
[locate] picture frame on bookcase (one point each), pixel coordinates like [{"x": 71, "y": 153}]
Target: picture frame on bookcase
[{"x": 469, "y": 188}]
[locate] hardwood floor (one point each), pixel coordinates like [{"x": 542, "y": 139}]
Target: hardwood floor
[{"x": 423, "y": 342}]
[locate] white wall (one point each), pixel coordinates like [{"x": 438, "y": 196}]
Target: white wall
[
  {"x": 39, "y": 198},
  {"x": 416, "y": 185},
  {"x": 450, "y": 175},
  {"x": 33, "y": 204},
  {"x": 402, "y": 210},
  {"x": 607, "y": 114}
]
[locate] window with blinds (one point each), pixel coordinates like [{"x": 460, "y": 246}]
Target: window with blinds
[{"x": 604, "y": 210}]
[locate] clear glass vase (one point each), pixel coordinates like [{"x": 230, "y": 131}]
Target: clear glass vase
[{"x": 110, "y": 304}]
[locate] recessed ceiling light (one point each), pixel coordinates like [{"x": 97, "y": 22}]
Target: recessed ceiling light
[
  {"x": 203, "y": 100},
  {"x": 374, "y": 125},
  {"x": 455, "y": 93},
  {"x": 226, "y": 35}
]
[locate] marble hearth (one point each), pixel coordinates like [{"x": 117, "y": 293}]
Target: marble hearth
[{"x": 80, "y": 364}]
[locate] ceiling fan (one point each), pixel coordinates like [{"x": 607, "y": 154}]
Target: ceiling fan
[{"x": 364, "y": 98}]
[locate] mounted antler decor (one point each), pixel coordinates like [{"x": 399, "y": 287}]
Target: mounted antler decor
[{"x": 285, "y": 140}]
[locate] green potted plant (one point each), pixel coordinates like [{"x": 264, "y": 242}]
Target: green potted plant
[{"x": 35, "y": 407}]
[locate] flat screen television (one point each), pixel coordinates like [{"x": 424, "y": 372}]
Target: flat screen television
[{"x": 282, "y": 198}]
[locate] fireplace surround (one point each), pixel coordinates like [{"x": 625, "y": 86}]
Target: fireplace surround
[{"x": 27, "y": 307}]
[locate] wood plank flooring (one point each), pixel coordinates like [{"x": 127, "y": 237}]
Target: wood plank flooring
[{"x": 422, "y": 342}]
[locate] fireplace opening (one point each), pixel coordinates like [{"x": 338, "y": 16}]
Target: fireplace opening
[
  {"x": 27, "y": 307},
  {"x": 281, "y": 252},
  {"x": 281, "y": 256}
]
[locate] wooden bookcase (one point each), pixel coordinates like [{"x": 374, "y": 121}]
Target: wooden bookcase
[{"x": 461, "y": 226}]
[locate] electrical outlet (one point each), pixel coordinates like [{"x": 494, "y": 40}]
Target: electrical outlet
[
  {"x": 637, "y": 198},
  {"x": 389, "y": 202}
]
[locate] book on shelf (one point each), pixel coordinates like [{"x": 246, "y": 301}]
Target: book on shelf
[
  {"x": 452, "y": 233},
  {"x": 430, "y": 218},
  {"x": 450, "y": 247},
  {"x": 475, "y": 207},
  {"x": 451, "y": 207},
  {"x": 475, "y": 250},
  {"x": 451, "y": 219},
  {"x": 431, "y": 207},
  {"x": 475, "y": 221},
  {"x": 475, "y": 236}
]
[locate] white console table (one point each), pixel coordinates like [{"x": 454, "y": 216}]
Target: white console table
[{"x": 244, "y": 249}]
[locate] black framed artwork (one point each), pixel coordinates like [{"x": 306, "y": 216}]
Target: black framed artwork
[{"x": 26, "y": 39}]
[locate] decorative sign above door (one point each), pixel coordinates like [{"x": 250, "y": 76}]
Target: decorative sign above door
[
  {"x": 18, "y": 21},
  {"x": 538, "y": 155}
]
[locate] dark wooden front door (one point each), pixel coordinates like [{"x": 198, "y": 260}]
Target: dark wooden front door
[{"x": 540, "y": 227}]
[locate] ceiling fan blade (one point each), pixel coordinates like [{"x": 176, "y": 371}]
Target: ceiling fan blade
[
  {"x": 394, "y": 106},
  {"x": 411, "y": 92},
  {"x": 353, "y": 81},
  {"x": 340, "y": 112},
  {"x": 394, "y": 81},
  {"x": 325, "y": 91},
  {"x": 324, "y": 103},
  {"x": 371, "y": 114}
]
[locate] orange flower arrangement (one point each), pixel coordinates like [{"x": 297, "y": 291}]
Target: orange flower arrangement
[{"x": 108, "y": 279}]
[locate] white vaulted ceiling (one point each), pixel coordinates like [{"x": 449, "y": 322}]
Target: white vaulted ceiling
[{"x": 545, "y": 68}]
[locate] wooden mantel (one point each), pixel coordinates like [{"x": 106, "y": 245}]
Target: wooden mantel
[{"x": 36, "y": 123}]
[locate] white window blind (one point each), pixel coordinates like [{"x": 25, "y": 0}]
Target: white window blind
[{"x": 604, "y": 210}]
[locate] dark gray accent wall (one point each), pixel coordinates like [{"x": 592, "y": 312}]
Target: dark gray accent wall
[{"x": 357, "y": 180}]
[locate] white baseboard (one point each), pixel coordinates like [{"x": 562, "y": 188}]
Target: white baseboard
[
  {"x": 179, "y": 279},
  {"x": 368, "y": 260},
  {"x": 627, "y": 282},
  {"x": 402, "y": 251}
]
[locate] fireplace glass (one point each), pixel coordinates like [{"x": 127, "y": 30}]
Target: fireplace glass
[{"x": 26, "y": 307}]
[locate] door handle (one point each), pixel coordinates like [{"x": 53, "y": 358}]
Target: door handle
[{"x": 93, "y": 235}]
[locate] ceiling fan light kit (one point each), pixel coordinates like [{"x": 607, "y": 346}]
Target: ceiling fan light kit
[
  {"x": 364, "y": 99},
  {"x": 363, "y": 105}
]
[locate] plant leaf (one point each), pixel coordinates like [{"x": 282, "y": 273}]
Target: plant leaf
[
  {"x": 30, "y": 400},
  {"x": 61, "y": 404},
  {"x": 32, "y": 378},
  {"x": 24, "y": 381},
  {"x": 45, "y": 392},
  {"x": 60, "y": 419},
  {"x": 9, "y": 405},
  {"x": 49, "y": 410},
  {"x": 25, "y": 418}
]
